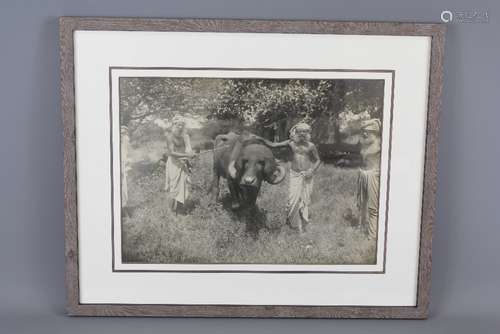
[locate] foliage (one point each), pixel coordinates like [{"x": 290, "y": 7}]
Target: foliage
[
  {"x": 263, "y": 101},
  {"x": 146, "y": 104},
  {"x": 151, "y": 100},
  {"x": 363, "y": 96},
  {"x": 143, "y": 97},
  {"x": 350, "y": 123}
]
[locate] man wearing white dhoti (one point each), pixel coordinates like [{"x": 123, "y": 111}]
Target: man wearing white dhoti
[
  {"x": 299, "y": 198},
  {"x": 177, "y": 165},
  {"x": 305, "y": 161},
  {"x": 369, "y": 177}
]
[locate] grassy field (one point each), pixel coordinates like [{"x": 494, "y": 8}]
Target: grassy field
[{"x": 213, "y": 234}]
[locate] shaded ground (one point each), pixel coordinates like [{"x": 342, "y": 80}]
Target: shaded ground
[{"x": 213, "y": 234}]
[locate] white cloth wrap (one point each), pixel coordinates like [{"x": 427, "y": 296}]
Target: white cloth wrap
[
  {"x": 368, "y": 195},
  {"x": 299, "y": 198},
  {"x": 177, "y": 179}
]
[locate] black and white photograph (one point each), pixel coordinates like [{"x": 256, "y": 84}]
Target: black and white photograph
[{"x": 250, "y": 170}]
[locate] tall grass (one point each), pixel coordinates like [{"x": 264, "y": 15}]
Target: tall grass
[{"x": 211, "y": 233}]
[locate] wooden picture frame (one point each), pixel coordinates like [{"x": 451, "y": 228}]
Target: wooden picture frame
[{"x": 68, "y": 25}]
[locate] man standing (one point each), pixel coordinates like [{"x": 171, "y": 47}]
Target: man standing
[
  {"x": 369, "y": 177},
  {"x": 305, "y": 162},
  {"x": 177, "y": 168}
]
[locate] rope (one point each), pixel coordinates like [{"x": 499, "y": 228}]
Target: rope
[
  {"x": 206, "y": 151},
  {"x": 212, "y": 150}
]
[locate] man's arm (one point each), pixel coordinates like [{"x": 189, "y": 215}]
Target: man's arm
[{"x": 275, "y": 145}]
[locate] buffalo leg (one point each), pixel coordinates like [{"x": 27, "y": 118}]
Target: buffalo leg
[
  {"x": 214, "y": 187},
  {"x": 235, "y": 195}
]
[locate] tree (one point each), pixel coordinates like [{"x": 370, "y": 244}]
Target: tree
[
  {"x": 149, "y": 99},
  {"x": 265, "y": 103}
]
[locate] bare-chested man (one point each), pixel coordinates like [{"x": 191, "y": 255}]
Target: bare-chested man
[
  {"x": 369, "y": 177},
  {"x": 305, "y": 162},
  {"x": 177, "y": 168}
]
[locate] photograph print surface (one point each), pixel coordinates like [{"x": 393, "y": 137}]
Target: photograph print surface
[{"x": 277, "y": 169}]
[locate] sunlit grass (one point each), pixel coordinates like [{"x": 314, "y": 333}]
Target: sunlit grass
[{"x": 213, "y": 234}]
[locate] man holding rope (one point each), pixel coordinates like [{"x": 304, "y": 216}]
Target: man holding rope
[{"x": 179, "y": 152}]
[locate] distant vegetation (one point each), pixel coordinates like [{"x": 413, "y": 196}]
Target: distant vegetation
[{"x": 267, "y": 107}]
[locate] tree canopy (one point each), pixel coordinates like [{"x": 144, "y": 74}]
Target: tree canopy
[
  {"x": 266, "y": 100},
  {"x": 261, "y": 102},
  {"x": 258, "y": 103}
]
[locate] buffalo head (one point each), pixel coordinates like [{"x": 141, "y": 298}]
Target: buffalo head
[
  {"x": 256, "y": 163},
  {"x": 245, "y": 164}
]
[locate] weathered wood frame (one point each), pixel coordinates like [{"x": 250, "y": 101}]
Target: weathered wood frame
[{"x": 67, "y": 27}]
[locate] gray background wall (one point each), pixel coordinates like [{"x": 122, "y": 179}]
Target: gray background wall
[{"x": 466, "y": 274}]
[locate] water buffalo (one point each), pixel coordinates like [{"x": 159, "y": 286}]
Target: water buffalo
[{"x": 254, "y": 162}]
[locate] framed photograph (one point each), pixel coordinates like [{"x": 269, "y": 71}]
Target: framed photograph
[{"x": 248, "y": 168}]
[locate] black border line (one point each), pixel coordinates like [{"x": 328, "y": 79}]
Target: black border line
[{"x": 111, "y": 68}]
